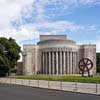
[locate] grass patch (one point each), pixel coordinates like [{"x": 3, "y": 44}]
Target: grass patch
[{"x": 94, "y": 79}]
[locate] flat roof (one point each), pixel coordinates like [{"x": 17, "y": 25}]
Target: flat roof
[{"x": 50, "y": 37}]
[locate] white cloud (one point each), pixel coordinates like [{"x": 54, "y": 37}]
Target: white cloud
[
  {"x": 15, "y": 10},
  {"x": 64, "y": 26},
  {"x": 98, "y": 42},
  {"x": 89, "y": 2},
  {"x": 98, "y": 45},
  {"x": 10, "y": 9},
  {"x": 25, "y": 32},
  {"x": 31, "y": 31}
]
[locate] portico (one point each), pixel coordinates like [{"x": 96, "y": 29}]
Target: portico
[{"x": 59, "y": 62}]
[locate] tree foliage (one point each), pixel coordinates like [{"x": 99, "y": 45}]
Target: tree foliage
[{"x": 9, "y": 53}]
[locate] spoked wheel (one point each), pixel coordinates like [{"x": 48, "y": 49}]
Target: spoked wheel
[{"x": 85, "y": 65}]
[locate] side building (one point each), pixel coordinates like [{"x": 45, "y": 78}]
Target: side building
[{"x": 55, "y": 54}]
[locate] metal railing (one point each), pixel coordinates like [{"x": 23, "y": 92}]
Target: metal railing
[{"x": 91, "y": 88}]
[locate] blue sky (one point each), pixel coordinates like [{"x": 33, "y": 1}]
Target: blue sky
[{"x": 25, "y": 20}]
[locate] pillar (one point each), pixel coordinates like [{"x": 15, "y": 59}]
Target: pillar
[
  {"x": 68, "y": 58},
  {"x": 73, "y": 62},
  {"x": 43, "y": 63},
  {"x": 57, "y": 63},
  {"x": 70, "y": 63},
  {"x": 76, "y": 67},
  {"x": 46, "y": 65},
  {"x": 49, "y": 62},
  {"x": 61, "y": 63},
  {"x": 53, "y": 66},
  {"x": 64, "y": 63}
]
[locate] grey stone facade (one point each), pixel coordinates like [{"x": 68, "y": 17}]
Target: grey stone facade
[{"x": 55, "y": 54}]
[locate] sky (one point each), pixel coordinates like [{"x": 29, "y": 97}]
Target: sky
[{"x": 25, "y": 20}]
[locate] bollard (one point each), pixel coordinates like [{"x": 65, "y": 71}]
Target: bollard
[
  {"x": 76, "y": 87},
  {"x": 29, "y": 82},
  {"x": 48, "y": 85},
  {"x": 38, "y": 82},
  {"x": 10, "y": 82},
  {"x": 96, "y": 88},
  {"x": 61, "y": 85},
  {"x": 15, "y": 82}
]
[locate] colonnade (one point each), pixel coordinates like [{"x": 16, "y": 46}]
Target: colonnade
[{"x": 59, "y": 62}]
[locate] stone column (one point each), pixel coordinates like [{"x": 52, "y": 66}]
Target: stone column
[
  {"x": 61, "y": 63},
  {"x": 49, "y": 62},
  {"x": 77, "y": 61},
  {"x": 57, "y": 72},
  {"x": 53, "y": 66},
  {"x": 73, "y": 62},
  {"x": 76, "y": 69},
  {"x": 70, "y": 63},
  {"x": 64, "y": 63},
  {"x": 46, "y": 65},
  {"x": 68, "y": 68},
  {"x": 43, "y": 63}
]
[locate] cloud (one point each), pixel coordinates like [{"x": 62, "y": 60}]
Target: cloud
[
  {"x": 32, "y": 31},
  {"x": 10, "y": 9},
  {"x": 22, "y": 34},
  {"x": 24, "y": 20},
  {"x": 64, "y": 26},
  {"x": 98, "y": 45},
  {"x": 43, "y": 10},
  {"x": 89, "y": 2},
  {"x": 18, "y": 10}
]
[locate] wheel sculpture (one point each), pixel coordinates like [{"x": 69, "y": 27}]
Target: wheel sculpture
[{"x": 85, "y": 65}]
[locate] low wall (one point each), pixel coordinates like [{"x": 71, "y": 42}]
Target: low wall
[{"x": 58, "y": 85}]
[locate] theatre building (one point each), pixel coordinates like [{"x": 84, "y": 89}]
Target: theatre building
[{"x": 56, "y": 54}]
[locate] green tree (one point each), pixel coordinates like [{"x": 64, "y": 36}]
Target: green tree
[{"x": 9, "y": 53}]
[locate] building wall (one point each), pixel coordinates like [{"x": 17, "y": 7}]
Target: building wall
[
  {"x": 88, "y": 51},
  {"x": 30, "y": 53},
  {"x": 19, "y": 68}
]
